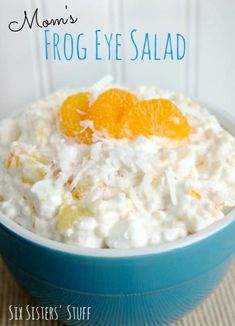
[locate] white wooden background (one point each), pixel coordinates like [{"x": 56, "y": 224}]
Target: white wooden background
[{"x": 208, "y": 73}]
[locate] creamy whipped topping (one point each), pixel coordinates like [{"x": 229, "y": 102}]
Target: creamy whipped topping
[{"x": 114, "y": 193}]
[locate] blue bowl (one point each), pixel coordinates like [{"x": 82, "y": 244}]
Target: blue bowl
[
  {"x": 150, "y": 286},
  {"x": 138, "y": 287}
]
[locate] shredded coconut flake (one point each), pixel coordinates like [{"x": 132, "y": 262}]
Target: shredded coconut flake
[{"x": 127, "y": 193}]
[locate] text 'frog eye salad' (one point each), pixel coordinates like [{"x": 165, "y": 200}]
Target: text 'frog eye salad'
[{"x": 109, "y": 167}]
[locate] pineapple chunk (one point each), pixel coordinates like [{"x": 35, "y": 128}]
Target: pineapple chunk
[
  {"x": 38, "y": 157},
  {"x": 32, "y": 171},
  {"x": 68, "y": 215},
  {"x": 32, "y": 166}
]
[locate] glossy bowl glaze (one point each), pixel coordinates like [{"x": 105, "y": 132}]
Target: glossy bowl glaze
[{"x": 138, "y": 287}]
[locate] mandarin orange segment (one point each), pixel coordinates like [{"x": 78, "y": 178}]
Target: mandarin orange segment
[
  {"x": 72, "y": 112},
  {"x": 159, "y": 117},
  {"x": 85, "y": 136},
  {"x": 108, "y": 109},
  {"x": 119, "y": 114}
]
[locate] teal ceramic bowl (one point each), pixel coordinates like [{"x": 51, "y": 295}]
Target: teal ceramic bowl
[{"x": 138, "y": 287}]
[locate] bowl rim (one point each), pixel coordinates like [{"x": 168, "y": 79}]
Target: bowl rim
[
  {"x": 21, "y": 233},
  {"x": 228, "y": 122}
]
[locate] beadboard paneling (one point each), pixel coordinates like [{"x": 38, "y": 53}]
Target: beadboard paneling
[
  {"x": 216, "y": 54},
  {"x": 18, "y": 76},
  {"x": 91, "y": 15},
  {"x": 207, "y": 73},
  {"x": 160, "y": 17}
]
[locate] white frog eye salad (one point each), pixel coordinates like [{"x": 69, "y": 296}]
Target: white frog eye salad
[{"x": 115, "y": 168}]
